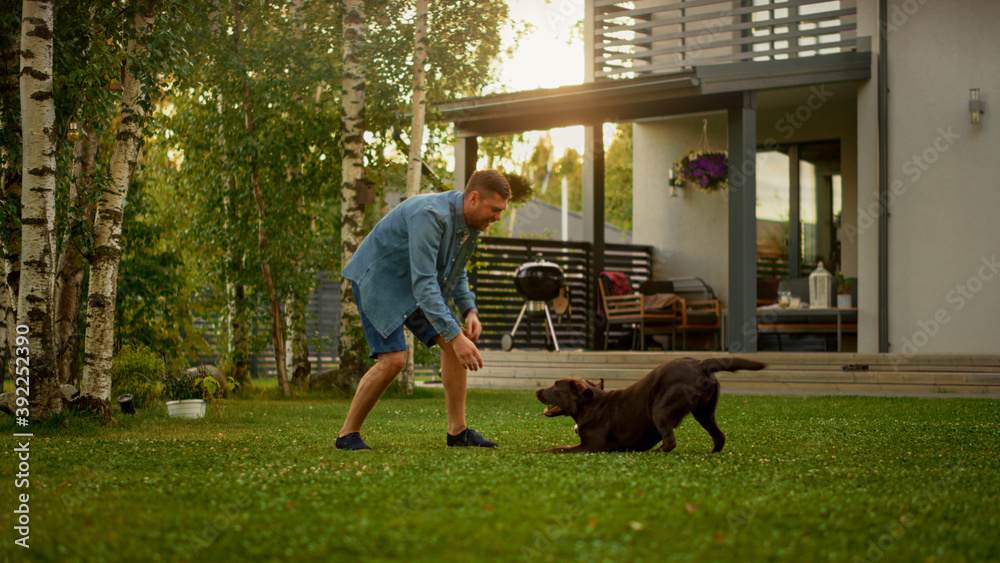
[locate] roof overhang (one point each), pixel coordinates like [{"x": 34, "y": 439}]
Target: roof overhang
[{"x": 706, "y": 88}]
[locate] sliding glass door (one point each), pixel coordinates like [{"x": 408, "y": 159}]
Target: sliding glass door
[{"x": 799, "y": 205}]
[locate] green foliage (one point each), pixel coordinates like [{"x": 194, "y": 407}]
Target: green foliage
[
  {"x": 618, "y": 179},
  {"x": 424, "y": 356},
  {"x": 520, "y": 188},
  {"x": 182, "y": 385},
  {"x": 569, "y": 167},
  {"x": 198, "y": 170},
  {"x": 844, "y": 285},
  {"x": 191, "y": 225},
  {"x": 155, "y": 305},
  {"x": 137, "y": 370},
  {"x": 211, "y": 387}
]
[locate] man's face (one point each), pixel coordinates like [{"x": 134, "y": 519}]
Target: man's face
[{"x": 485, "y": 210}]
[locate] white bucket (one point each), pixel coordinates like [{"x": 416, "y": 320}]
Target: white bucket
[{"x": 189, "y": 408}]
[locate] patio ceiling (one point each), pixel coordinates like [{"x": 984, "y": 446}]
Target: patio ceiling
[{"x": 707, "y": 88}]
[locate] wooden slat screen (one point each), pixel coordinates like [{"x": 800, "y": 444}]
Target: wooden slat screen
[
  {"x": 676, "y": 36},
  {"x": 492, "y": 279}
]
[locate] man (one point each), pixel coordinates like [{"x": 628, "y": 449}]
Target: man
[{"x": 403, "y": 274}]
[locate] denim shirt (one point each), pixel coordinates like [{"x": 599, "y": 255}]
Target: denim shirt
[{"x": 403, "y": 263}]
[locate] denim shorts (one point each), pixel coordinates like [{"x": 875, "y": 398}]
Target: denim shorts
[{"x": 417, "y": 322}]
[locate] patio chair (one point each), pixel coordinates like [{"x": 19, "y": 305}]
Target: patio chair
[
  {"x": 699, "y": 309},
  {"x": 646, "y": 314}
]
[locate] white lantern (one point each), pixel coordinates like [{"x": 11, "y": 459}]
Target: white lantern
[{"x": 820, "y": 288}]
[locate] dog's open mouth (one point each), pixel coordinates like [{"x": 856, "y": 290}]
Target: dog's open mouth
[{"x": 553, "y": 410}]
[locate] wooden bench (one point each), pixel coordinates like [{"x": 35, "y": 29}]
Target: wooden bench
[{"x": 632, "y": 309}]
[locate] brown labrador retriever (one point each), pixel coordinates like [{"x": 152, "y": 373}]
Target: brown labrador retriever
[{"x": 638, "y": 417}]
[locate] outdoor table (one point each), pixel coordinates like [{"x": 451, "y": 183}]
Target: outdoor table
[{"x": 775, "y": 315}]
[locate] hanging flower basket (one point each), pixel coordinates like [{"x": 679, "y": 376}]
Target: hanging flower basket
[{"x": 708, "y": 170}]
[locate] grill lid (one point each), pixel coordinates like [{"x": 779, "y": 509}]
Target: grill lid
[{"x": 538, "y": 281}]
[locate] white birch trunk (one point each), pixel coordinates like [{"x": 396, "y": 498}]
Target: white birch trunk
[
  {"x": 38, "y": 205},
  {"x": 414, "y": 170},
  {"x": 352, "y": 343},
  {"x": 297, "y": 358},
  {"x": 237, "y": 333},
  {"x": 297, "y": 355},
  {"x": 103, "y": 287}
]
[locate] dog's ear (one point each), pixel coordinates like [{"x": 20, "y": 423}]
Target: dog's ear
[
  {"x": 601, "y": 385},
  {"x": 583, "y": 390}
]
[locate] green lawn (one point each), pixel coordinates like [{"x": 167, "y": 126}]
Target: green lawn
[{"x": 820, "y": 478}]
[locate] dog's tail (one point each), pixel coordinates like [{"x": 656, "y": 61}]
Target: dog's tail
[{"x": 713, "y": 365}]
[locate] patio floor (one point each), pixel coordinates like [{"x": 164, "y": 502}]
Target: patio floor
[{"x": 787, "y": 373}]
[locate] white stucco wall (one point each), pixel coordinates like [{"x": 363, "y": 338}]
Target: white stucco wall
[
  {"x": 691, "y": 231},
  {"x": 944, "y": 235}
]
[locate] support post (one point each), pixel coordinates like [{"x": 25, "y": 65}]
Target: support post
[
  {"x": 466, "y": 155},
  {"x": 593, "y": 216},
  {"x": 743, "y": 225}
]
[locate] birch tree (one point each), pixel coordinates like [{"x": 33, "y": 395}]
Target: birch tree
[
  {"x": 10, "y": 186},
  {"x": 414, "y": 169},
  {"x": 277, "y": 320},
  {"x": 70, "y": 270},
  {"x": 34, "y": 305},
  {"x": 297, "y": 354},
  {"x": 102, "y": 289},
  {"x": 237, "y": 333},
  {"x": 352, "y": 98}
]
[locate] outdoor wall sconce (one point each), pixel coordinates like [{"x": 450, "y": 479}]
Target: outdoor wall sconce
[
  {"x": 975, "y": 106},
  {"x": 676, "y": 184}
]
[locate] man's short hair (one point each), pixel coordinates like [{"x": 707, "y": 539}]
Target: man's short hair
[{"x": 488, "y": 181}]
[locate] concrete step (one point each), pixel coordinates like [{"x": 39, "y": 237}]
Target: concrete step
[{"x": 786, "y": 372}]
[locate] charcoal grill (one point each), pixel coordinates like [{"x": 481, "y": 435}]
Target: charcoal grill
[{"x": 538, "y": 282}]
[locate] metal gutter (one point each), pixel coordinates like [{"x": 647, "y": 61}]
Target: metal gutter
[{"x": 883, "y": 180}]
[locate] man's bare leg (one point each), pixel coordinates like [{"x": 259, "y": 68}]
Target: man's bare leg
[
  {"x": 371, "y": 387},
  {"x": 453, "y": 378}
]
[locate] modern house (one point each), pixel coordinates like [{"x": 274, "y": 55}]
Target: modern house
[{"x": 860, "y": 133}]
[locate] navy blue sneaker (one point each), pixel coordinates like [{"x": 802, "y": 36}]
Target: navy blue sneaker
[
  {"x": 351, "y": 441},
  {"x": 469, "y": 438}
]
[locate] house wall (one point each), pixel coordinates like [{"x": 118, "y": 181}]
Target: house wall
[
  {"x": 943, "y": 260},
  {"x": 944, "y": 274},
  {"x": 691, "y": 231}
]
